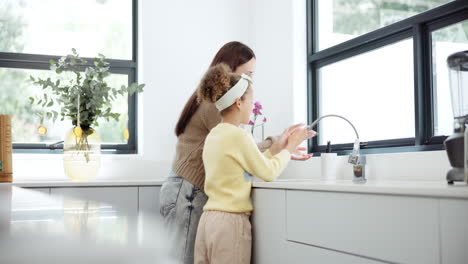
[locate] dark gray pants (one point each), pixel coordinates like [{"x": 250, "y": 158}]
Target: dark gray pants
[{"x": 181, "y": 207}]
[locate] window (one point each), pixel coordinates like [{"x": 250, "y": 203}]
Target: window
[
  {"x": 382, "y": 65},
  {"x": 347, "y": 95},
  {"x": 53, "y": 27},
  {"x": 342, "y": 20},
  {"x": 33, "y": 32}
]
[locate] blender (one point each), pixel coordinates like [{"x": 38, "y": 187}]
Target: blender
[{"x": 457, "y": 144}]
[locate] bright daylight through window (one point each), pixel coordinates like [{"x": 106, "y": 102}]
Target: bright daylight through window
[
  {"x": 33, "y": 32},
  {"x": 382, "y": 64}
]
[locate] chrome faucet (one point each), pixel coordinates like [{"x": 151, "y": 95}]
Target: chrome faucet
[{"x": 355, "y": 158}]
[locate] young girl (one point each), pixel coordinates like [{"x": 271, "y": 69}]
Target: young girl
[{"x": 224, "y": 231}]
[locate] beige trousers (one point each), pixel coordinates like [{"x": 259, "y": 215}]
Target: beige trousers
[{"x": 223, "y": 238}]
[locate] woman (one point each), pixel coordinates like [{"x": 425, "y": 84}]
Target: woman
[{"x": 182, "y": 197}]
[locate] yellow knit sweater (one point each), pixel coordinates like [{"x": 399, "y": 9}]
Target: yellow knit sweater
[{"x": 229, "y": 152}]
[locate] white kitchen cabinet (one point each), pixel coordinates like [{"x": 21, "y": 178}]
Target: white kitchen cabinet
[
  {"x": 42, "y": 190},
  {"x": 123, "y": 198},
  {"x": 454, "y": 231},
  {"x": 305, "y": 254},
  {"x": 270, "y": 244},
  {"x": 149, "y": 217},
  {"x": 391, "y": 228},
  {"x": 269, "y": 227},
  {"x": 122, "y": 201},
  {"x": 148, "y": 199}
]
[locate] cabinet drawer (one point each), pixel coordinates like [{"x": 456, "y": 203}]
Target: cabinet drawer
[
  {"x": 148, "y": 199},
  {"x": 304, "y": 254},
  {"x": 454, "y": 231},
  {"x": 42, "y": 190},
  {"x": 391, "y": 228},
  {"x": 269, "y": 227},
  {"x": 123, "y": 198}
]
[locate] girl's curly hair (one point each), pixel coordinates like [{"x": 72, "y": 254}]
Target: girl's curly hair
[{"x": 216, "y": 82}]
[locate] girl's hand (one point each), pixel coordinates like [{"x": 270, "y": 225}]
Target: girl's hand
[
  {"x": 282, "y": 141},
  {"x": 299, "y": 155},
  {"x": 297, "y": 136}
]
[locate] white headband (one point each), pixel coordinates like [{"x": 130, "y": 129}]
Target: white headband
[{"x": 235, "y": 92}]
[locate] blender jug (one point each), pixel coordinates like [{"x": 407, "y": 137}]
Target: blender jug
[{"x": 455, "y": 144}]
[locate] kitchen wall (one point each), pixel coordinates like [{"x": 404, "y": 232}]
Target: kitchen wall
[{"x": 177, "y": 40}]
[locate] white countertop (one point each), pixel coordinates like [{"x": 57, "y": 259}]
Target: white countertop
[
  {"x": 38, "y": 228},
  {"x": 405, "y": 188},
  {"x": 408, "y": 188}
]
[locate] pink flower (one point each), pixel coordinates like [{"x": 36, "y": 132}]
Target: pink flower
[
  {"x": 258, "y": 105},
  {"x": 256, "y": 111},
  {"x": 257, "y": 114}
]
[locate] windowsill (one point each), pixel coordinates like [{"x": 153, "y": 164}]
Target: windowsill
[
  {"x": 92, "y": 183},
  {"x": 59, "y": 156},
  {"x": 405, "y": 166},
  {"x": 40, "y": 168},
  {"x": 387, "y": 150}
]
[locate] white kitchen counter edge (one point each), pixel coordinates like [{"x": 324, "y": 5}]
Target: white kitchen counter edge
[
  {"x": 403, "y": 188},
  {"x": 95, "y": 183}
]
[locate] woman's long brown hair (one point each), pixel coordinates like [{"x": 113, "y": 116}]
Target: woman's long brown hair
[{"x": 233, "y": 54}]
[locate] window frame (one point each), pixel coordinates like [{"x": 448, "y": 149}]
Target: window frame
[
  {"x": 419, "y": 28},
  {"x": 29, "y": 61}
]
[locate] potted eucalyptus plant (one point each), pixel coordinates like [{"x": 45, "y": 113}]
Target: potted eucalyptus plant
[{"x": 84, "y": 96}]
